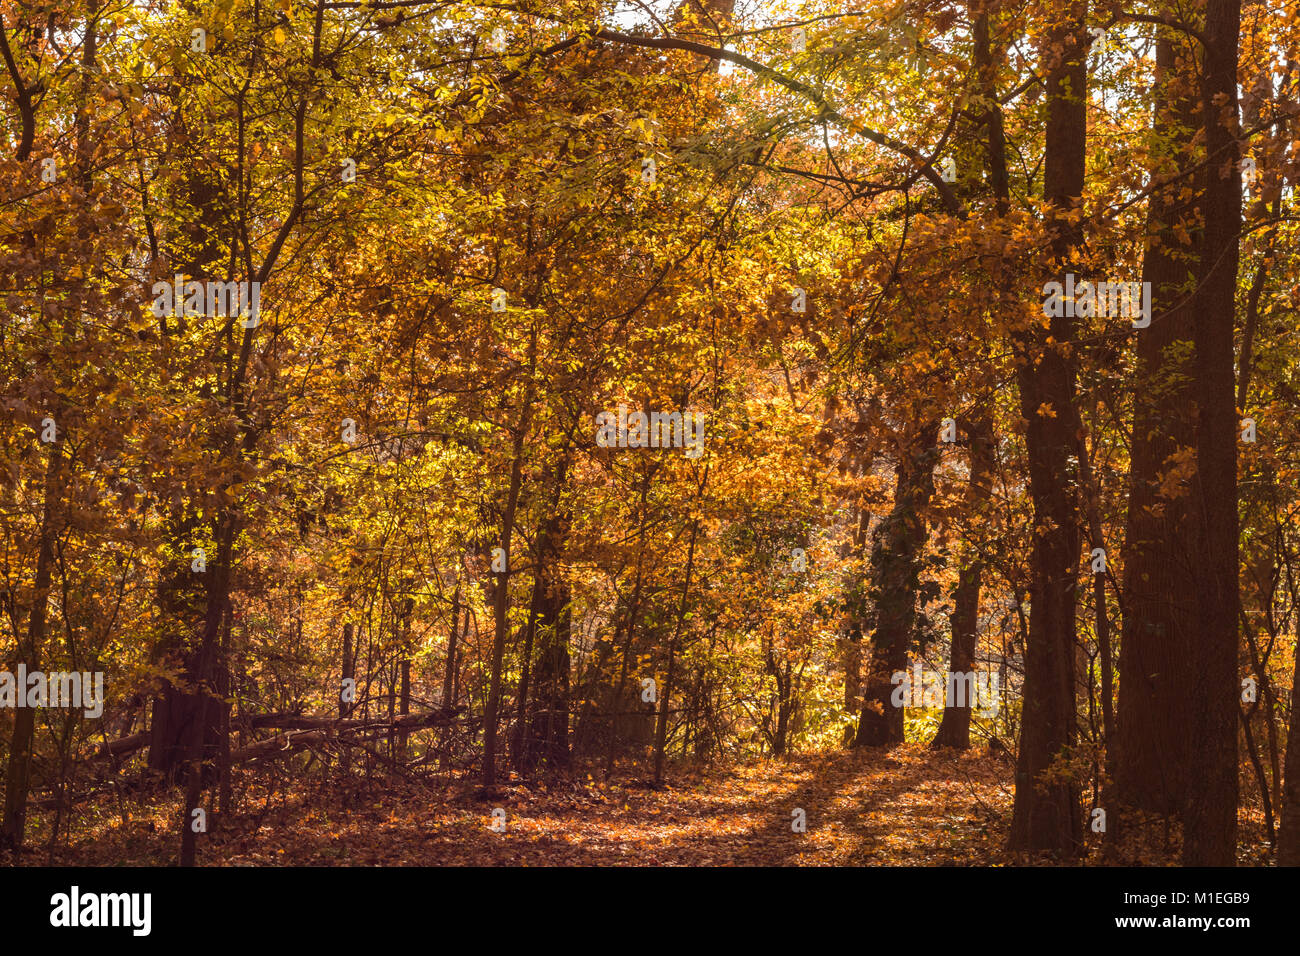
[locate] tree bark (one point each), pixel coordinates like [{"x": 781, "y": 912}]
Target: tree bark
[
  {"x": 1210, "y": 809},
  {"x": 18, "y": 775},
  {"x": 1152, "y": 747},
  {"x": 13, "y": 823},
  {"x": 895, "y": 560},
  {"x": 349, "y": 669},
  {"x": 501, "y": 589},
  {"x": 547, "y": 730},
  {"x": 1288, "y": 835},
  {"x": 954, "y": 728},
  {"x": 448, "y": 682},
  {"x": 1046, "y": 814},
  {"x": 661, "y": 727}
]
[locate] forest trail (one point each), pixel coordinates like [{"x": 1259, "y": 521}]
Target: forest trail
[{"x": 907, "y": 805}]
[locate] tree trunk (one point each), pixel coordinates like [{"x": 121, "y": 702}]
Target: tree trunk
[
  {"x": 218, "y": 608},
  {"x": 548, "y": 721},
  {"x": 628, "y": 623},
  {"x": 855, "y": 623},
  {"x": 895, "y": 560},
  {"x": 448, "y": 681},
  {"x": 1211, "y": 704},
  {"x": 501, "y": 589},
  {"x": 518, "y": 742},
  {"x": 1288, "y": 836},
  {"x": 782, "y": 674},
  {"x": 18, "y": 775},
  {"x": 1046, "y": 815},
  {"x": 954, "y": 728},
  {"x": 349, "y": 670},
  {"x": 547, "y": 732},
  {"x": 13, "y": 824},
  {"x": 661, "y": 727},
  {"x": 224, "y": 793},
  {"x": 1152, "y": 747},
  {"x": 403, "y": 709}
]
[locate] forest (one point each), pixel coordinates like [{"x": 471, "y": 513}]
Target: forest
[{"x": 649, "y": 432}]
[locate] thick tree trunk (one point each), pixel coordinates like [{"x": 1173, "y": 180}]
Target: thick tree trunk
[
  {"x": 1046, "y": 815},
  {"x": 544, "y": 685},
  {"x": 196, "y": 764},
  {"x": 1211, "y": 702},
  {"x": 547, "y": 731},
  {"x": 954, "y": 728},
  {"x": 548, "y": 720},
  {"x": 174, "y": 712},
  {"x": 183, "y": 595},
  {"x": 1152, "y": 747},
  {"x": 895, "y": 560}
]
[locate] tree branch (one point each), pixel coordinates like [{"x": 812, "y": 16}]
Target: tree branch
[
  {"x": 825, "y": 110},
  {"x": 24, "y": 97}
]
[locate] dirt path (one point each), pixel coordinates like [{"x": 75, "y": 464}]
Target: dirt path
[{"x": 903, "y": 806}]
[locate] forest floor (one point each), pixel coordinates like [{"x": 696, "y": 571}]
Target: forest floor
[
  {"x": 904, "y": 806},
  {"x": 908, "y": 805}
]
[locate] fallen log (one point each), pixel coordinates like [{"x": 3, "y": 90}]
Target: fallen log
[
  {"x": 302, "y": 732},
  {"x": 312, "y": 731},
  {"x": 434, "y": 718},
  {"x": 280, "y": 745},
  {"x": 121, "y": 746}
]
